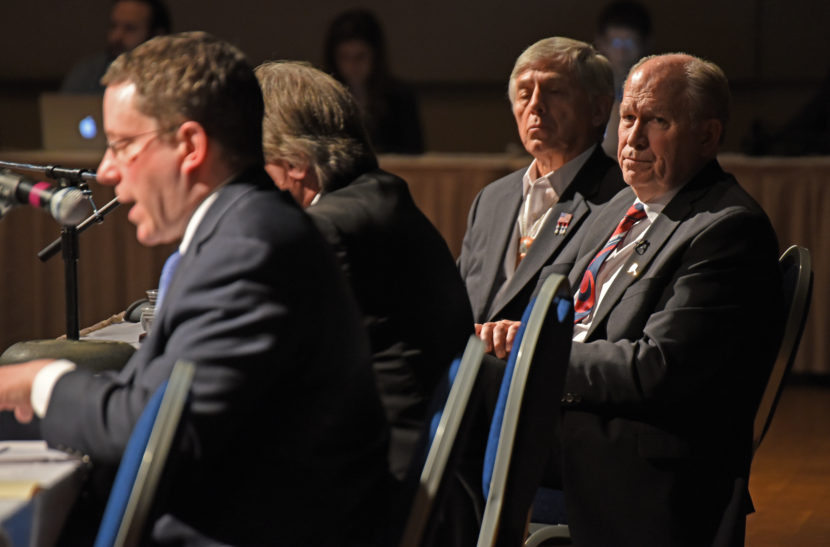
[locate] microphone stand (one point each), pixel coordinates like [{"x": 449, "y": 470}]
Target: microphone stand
[
  {"x": 68, "y": 241},
  {"x": 69, "y": 246},
  {"x": 95, "y": 218}
]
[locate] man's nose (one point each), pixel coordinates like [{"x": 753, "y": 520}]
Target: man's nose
[
  {"x": 107, "y": 173},
  {"x": 536, "y": 103},
  {"x": 637, "y": 136}
]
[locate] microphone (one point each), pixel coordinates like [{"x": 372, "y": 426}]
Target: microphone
[{"x": 68, "y": 205}]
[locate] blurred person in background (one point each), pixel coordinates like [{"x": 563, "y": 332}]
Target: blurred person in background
[
  {"x": 623, "y": 37},
  {"x": 131, "y": 23},
  {"x": 355, "y": 54}
]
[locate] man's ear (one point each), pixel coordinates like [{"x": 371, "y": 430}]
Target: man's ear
[
  {"x": 193, "y": 145},
  {"x": 710, "y": 136},
  {"x": 296, "y": 170},
  {"x": 601, "y": 110}
]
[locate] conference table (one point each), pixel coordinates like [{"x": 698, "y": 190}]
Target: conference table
[
  {"x": 38, "y": 487},
  {"x": 114, "y": 269}
]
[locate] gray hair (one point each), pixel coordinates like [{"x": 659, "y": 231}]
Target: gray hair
[
  {"x": 310, "y": 118},
  {"x": 591, "y": 68}
]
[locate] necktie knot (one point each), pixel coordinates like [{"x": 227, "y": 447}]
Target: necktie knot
[{"x": 634, "y": 214}]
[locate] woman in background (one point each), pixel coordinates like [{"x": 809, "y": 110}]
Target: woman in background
[{"x": 355, "y": 54}]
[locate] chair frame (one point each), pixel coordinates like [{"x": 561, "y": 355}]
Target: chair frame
[
  {"x": 443, "y": 443},
  {"x": 799, "y": 308},
  {"x": 165, "y": 424},
  {"x": 492, "y": 527}
]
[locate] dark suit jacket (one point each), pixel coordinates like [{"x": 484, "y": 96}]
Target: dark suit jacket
[
  {"x": 490, "y": 225},
  {"x": 284, "y": 427},
  {"x": 414, "y": 305},
  {"x": 660, "y": 398}
]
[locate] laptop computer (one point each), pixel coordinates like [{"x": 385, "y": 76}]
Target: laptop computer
[{"x": 72, "y": 122}]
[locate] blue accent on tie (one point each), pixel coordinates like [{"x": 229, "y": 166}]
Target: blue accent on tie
[{"x": 167, "y": 272}]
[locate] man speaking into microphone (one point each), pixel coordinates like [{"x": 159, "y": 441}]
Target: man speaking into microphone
[{"x": 183, "y": 118}]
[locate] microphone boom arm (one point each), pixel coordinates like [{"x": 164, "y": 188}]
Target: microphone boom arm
[
  {"x": 98, "y": 217},
  {"x": 56, "y": 172}
]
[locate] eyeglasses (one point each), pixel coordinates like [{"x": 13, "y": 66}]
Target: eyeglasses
[{"x": 119, "y": 147}]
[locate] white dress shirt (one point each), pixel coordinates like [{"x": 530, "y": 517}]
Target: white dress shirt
[{"x": 555, "y": 184}]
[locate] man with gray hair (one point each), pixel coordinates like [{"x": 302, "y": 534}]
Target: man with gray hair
[
  {"x": 678, "y": 320},
  {"x": 399, "y": 266},
  {"x": 561, "y": 92}
]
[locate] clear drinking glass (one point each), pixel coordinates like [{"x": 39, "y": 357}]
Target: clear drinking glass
[{"x": 149, "y": 311}]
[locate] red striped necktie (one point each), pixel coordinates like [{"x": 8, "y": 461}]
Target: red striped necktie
[{"x": 586, "y": 297}]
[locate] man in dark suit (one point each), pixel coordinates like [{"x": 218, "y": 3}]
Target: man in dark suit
[
  {"x": 561, "y": 92},
  {"x": 284, "y": 427},
  {"x": 679, "y": 316},
  {"x": 399, "y": 266}
]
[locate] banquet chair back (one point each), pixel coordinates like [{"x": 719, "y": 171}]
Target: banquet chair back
[
  {"x": 797, "y": 276},
  {"x": 143, "y": 461},
  {"x": 527, "y": 414},
  {"x": 454, "y": 408}
]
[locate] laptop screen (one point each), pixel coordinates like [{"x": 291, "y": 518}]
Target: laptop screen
[{"x": 72, "y": 122}]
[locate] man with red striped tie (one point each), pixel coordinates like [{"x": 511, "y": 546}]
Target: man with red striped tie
[{"x": 678, "y": 316}]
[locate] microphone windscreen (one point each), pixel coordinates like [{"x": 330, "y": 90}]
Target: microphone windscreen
[{"x": 69, "y": 206}]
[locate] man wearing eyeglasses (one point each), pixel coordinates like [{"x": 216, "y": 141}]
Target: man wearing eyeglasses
[{"x": 284, "y": 423}]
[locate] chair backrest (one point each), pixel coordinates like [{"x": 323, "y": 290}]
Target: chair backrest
[
  {"x": 524, "y": 424},
  {"x": 143, "y": 461},
  {"x": 443, "y": 446},
  {"x": 797, "y": 276}
]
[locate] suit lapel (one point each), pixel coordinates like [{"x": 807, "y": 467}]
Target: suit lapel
[
  {"x": 226, "y": 197},
  {"x": 653, "y": 241},
  {"x": 636, "y": 264},
  {"x": 501, "y": 224},
  {"x": 574, "y": 201},
  {"x": 546, "y": 245}
]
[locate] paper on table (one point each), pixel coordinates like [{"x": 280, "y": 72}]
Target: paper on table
[{"x": 19, "y": 490}]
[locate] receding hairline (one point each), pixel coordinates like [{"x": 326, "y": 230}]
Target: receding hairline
[{"x": 705, "y": 85}]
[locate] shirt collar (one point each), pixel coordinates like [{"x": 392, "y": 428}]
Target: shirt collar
[
  {"x": 559, "y": 179},
  {"x": 198, "y": 216},
  {"x": 656, "y": 206}
]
